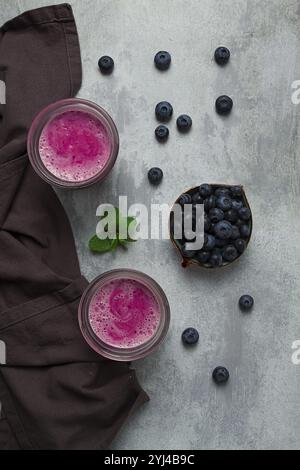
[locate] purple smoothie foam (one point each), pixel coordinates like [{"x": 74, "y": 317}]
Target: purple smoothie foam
[
  {"x": 74, "y": 146},
  {"x": 124, "y": 313}
]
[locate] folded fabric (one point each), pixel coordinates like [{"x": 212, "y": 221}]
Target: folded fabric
[{"x": 56, "y": 393}]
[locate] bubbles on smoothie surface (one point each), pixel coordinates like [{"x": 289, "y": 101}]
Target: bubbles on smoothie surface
[
  {"x": 74, "y": 146},
  {"x": 124, "y": 313}
]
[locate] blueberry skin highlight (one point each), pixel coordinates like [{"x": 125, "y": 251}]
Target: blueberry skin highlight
[
  {"x": 220, "y": 375},
  {"x": 162, "y": 60},
  {"x": 222, "y": 55},
  {"x": 246, "y": 303},
  {"x": 106, "y": 64},
  {"x": 224, "y": 105},
  {"x": 163, "y": 111},
  {"x": 190, "y": 336}
]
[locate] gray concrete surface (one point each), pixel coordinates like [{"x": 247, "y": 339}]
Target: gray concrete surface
[{"x": 257, "y": 146}]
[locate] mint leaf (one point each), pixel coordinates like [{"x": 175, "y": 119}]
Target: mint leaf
[
  {"x": 102, "y": 246},
  {"x": 98, "y": 245}
]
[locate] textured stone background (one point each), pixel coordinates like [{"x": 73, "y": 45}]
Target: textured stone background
[{"x": 256, "y": 146}]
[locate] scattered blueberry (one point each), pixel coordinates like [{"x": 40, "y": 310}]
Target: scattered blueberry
[
  {"x": 224, "y": 203},
  {"x": 220, "y": 375},
  {"x": 245, "y": 231},
  {"x": 240, "y": 245},
  {"x": 155, "y": 175},
  {"x": 203, "y": 256},
  {"x": 224, "y": 105},
  {"x": 231, "y": 215},
  {"x": 246, "y": 302},
  {"x": 244, "y": 213},
  {"x": 223, "y": 230},
  {"x": 216, "y": 215},
  {"x": 162, "y": 60},
  {"x": 184, "y": 123},
  {"x": 209, "y": 242},
  {"x": 190, "y": 336},
  {"x": 106, "y": 64},
  {"x": 162, "y": 133},
  {"x": 185, "y": 199},
  {"x": 216, "y": 260},
  {"x": 163, "y": 111},
  {"x": 222, "y": 55},
  {"x": 229, "y": 253},
  {"x": 205, "y": 190}
]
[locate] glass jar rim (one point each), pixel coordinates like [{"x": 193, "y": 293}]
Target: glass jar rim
[
  {"x": 113, "y": 352},
  {"x": 46, "y": 115}
]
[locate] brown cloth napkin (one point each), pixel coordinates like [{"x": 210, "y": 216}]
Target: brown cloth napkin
[{"x": 56, "y": 393}]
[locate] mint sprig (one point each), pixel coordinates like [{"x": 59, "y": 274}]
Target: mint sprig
[{"x": 98, "y": 245}]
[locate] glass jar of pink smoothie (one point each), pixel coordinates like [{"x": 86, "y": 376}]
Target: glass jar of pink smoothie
[
  {"x": 124, "y": 315},
  {"x": 73, "y": 143}
]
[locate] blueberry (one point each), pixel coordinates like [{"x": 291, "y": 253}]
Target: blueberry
[
  {"x": 216, "y": 215},
  {"x": 155, "y": 175},
  {"x": 187, "y": 253},
  {"x": 162, "y": 60},
  {"x": 185, "y": 199},
  {"x": 231, "y": 215},
  {"x": 246, "y": 302},
  {"x": 223, "y": 230},
  {"x": 236, "y": 191},
  {"x": 222, "y": 192},
  {"x": 240, "y": 245},
  {"x": 212, "y": 228},
  {"x": 184, "y": 123},
  {"x": 216, "y": 260},
  {"x": 221, "y": 243},
  {"x": 206, "y": 223},
  {"x": 235, "y": 233},
  {"x": 209, "y": 242},
  {"x": 190, "y": 336},
  {"x": 222, "y": 55},
  {"x": 236, "y": 205},
  {"x": 162, "y": 133},
  {"x": 209, "y": 203},
  {"x": 245, "y": 231},
  {"x": 163, "y": 111},
  {"x": 239, "y": 223},
  {"x": 205, "y": 190},
  {"x": 197, "y": 198},
  {"x": 224, "y": 203},
  {"x": 224, "y": 105},
  {"x": 220, "y": 375},
  {"x": 229, "y": 253},
  {"x": 106, "y": 64},
  {"x": 203, "y": 256},
  {"x": 244, "y": 213}
]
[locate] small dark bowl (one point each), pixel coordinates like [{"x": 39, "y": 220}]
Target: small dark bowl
[{"x": 190, "y": 261}]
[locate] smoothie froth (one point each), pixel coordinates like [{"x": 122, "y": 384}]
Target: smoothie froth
[
  {"x": 74, "y": 146},
  {"x": 124, "y": 313}
]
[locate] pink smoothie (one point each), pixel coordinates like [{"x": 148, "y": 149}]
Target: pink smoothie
[
  {"x": 124, "y": 313},
  {"x": 74, "y": 146}
]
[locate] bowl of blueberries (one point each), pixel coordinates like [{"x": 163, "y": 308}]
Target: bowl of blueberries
[{"x": 227, "y": 225}]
